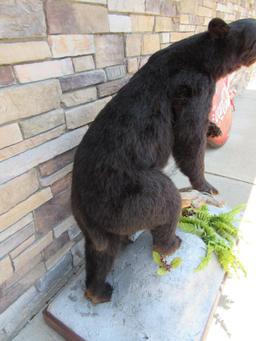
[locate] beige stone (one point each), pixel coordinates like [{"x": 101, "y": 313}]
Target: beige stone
[
  {"x": 16, "y": 227},
  {"x": 10, "y": 134},
  {"x": 17, "y": 190},
  {"x": 6, "y": 269},
  {"x": 133, "y": 44},
  {"x": 133, "y": 65},
  {"x": 100, "y": 2},
  {"x": 77, "y": 97},
  {"x": 12, "y": 53},
  {"x": 40, "y": 123},
  {"x": 83, "y": 63},
  {"x": 71, "y": 45},
  {"x": 109, "y": 50},
  {"x": 23, "y": 18},
  {"x": 126, "y": 6},
  {"x": 70, "y": 17},
  {"x": 14, "y": 103},
  {"x": 142, "y": 23},
  {"x": 119, "y": 23},
  {"x": 21, "y": 147},
  {"x": 204, "y": 11},
  {"x": 151, "y": 43},
  {"x": 84, "y": 114},
  {"x": 32, "y": 251},
  {"x": 176, "y": 36},
  {"x": 187, "y": 28},
  {"x": 43, "y": 70},
  {"x": 23, "y": 246},
  {"x": 164, "y": 38},
  {"x": 24, "y": 208},
  {"x": 56, "y": 257},
  {"x": 185, "y": 19},
  {"x": 188, "y": 6},
  {"x": 164, "y": 24}
]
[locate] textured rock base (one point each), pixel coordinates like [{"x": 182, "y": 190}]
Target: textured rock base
[{"x": 145, "y": 306}]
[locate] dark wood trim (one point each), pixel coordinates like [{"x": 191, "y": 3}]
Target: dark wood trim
[{"x": 60, "y": 327}]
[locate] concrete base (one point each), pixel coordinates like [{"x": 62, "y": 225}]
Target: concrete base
[{"x": 145, "y": 306}]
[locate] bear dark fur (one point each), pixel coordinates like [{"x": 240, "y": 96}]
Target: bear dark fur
[{"x": 118, "y": 187}]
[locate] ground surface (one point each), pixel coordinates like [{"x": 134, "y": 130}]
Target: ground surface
[{"x": 232, "y": 169}]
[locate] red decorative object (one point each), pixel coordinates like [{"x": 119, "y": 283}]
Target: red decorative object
[{"x": 222, "y": 109}]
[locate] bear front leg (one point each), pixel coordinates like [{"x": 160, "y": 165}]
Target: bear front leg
[{"x": 189, "y": 155}]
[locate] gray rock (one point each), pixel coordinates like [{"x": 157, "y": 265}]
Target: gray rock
[{"x": 82, "y": 80}]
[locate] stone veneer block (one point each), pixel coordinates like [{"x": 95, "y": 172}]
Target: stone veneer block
[
  {"x": 40, "y": 123},
  {"x": 112, "y": 87},
  {"x": 16, "y": 227},
  {"x": 6, "y": 76},
  {"x": 24, "y": 145},
  {"x": 49, "y": 180},
  {"x": 71, "y": 45},
  {"x": 133, "y": 65},
  {"x": 77, "y": 97},
  {"x": 164, "y": 24},
  {"x": 20, "y": 19},
  {"x": 17, "y": 190},
  {"x": 84, "y": 114},
  {"x": 109, "y": 50},
  {"x": 151, "y": 43},
  {"x": 115, "y": 72},
  {"x": 14, "y": 103},
  {"x": 59, "y": 162},
  {"x": 6, "y": 269},
  {"x": 43, "y": 70},
  {"x": 126, "y": 6},
  {"x": 133, "y": 44},
  {"x": 10, "y": 134},
  {"x": 15, "y": 240},
  {"x": 82, "y": 80},
  {"x": 24, "y": 208},
  {"x": 32, "y": 251},
  {"x": 16, "y": 165},
  {"x": 12, "y": 53},
  {"x": 83, "y": 63},
  {"x": 119, "y": 23},
  {"x": 68, "y": 17},
  {"x": 142, "y": 23}
]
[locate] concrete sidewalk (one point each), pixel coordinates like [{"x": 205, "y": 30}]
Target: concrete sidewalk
[{"x": 232, "y": 169}]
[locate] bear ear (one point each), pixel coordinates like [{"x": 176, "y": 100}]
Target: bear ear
[{"x": 218, "y": 29}]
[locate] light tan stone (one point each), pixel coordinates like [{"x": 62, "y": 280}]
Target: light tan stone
[
  {"x": 204, "y": 11},
  {"x": 187, "y": 28},
  {"x": 133, "y": 44},
  {"x": 32, "y": 251},
  {"x": 185, "y": 19},
  {"x": 83, "y": 63},
  {"x": 10, "y": 134},
  {"x": 14, "y": 103},
  {"x": 23, "y": 246},
  {"x": 56, "y": 257},
  {"x": 127, "y": 6},
  {"x": 188, "y": 6},
  {"x": 176, "y": 36},
  {"x": 109, "y": 50},
  {"x": 77, "y": 97},
  {"x": 71, "y": 45},
  {"x": 164, "y": 24},
  {"x": 12, "y": 53},
  {"x": 16, "y": 227},
  {"x": 164, "y": 38},
  {"x": 142, "y": 23},
  {"x": 151, "y": 43},
  {"x": 24, "y": 208},
  {"x": 17, "y": 190},
  {"x": 85, "y": 114},
  {"x": 21, "y": 147},
  {"x": 40, "y": 123},
  {"x": 133, "y": 65},
  {"x": 6, "y": 269},
  {"x": 119, "y": 23},
  {"x": 43, "y": 70}
]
